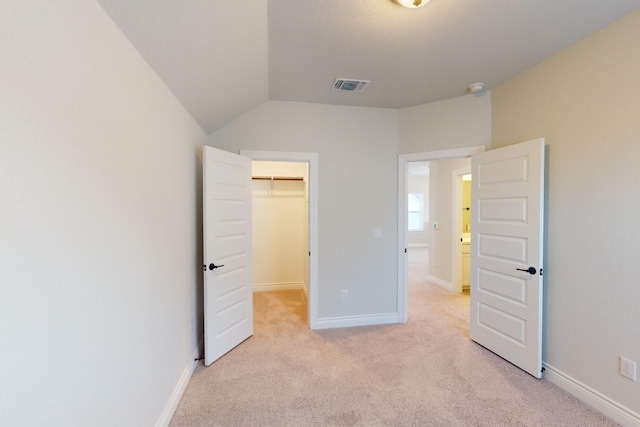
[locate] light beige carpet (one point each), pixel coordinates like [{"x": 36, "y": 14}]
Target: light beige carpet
[{"x": 424, "y": 373}]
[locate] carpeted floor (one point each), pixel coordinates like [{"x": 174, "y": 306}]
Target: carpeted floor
[{"x": 424, "y": 373}]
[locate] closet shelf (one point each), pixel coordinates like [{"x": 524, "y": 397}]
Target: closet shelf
[{"x": 278, "y": 178}]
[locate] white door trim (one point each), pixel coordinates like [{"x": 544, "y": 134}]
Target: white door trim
[
  {"x": 312, "y": 159},
  {"x": 403, "y": 160}
]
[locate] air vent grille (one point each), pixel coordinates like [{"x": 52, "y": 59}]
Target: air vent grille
[{"x": 350, "y": 85}]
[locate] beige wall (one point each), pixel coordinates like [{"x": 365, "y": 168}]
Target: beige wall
[{"x": 586, "y": 102}]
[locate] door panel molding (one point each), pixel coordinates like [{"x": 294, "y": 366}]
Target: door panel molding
[
  {"x": 228, "y": 297},
  {"x": 507, "y": 232}
]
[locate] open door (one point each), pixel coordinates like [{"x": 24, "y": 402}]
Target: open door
[
  {"x": 506, "y": 253},
  {"x": 228, "y": 292}
]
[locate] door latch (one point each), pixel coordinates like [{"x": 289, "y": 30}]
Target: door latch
[{"x": 530, "y": 270}]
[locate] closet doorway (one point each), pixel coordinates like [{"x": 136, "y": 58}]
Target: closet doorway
[
  {"x": 280, "y": 226},
  {"x": 284, "y": 199}
]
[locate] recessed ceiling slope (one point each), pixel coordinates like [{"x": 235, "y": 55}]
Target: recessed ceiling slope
[
  {"x": 211, "y": 54},
  {"x": 222, "y": 58}
]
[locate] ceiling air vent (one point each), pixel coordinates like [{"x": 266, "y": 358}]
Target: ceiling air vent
[{"x": 350, "y": 85}]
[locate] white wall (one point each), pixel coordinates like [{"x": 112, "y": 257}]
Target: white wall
[
  {"x": 453, "y": 123},
  {"x": 357, "y": 157},
  {"x": 280, "y": 235},
  {"x": 98, "y": 200},
  {"x": 586, "y": 102}
]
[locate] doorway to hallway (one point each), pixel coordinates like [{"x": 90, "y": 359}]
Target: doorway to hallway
[{"x": 446, "y": 261}]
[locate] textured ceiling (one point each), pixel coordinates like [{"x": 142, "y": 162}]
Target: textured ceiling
[{"x": 222, "y": 58}]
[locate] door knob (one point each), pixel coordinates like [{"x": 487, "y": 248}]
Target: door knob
[
  {"x": 530, "y": 270},
  {"x": 212, "y": 266}
]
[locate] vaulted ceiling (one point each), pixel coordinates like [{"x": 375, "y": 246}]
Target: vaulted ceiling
[{"x": 222, "y": 58}]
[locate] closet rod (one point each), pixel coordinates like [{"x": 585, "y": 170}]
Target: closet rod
[{"x": 278, "y": 178}]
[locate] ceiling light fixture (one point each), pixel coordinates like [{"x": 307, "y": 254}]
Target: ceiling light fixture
[
  {"x": 412, "y": 4},
  {"x": 476, "y": 87}
]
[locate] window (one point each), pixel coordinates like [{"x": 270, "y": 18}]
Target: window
[{"x": 416, "y": 212}]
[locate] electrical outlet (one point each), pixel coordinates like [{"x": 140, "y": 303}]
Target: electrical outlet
[
  {"x": 628, "y": 368},
  {"x": 345, "y": 295}
]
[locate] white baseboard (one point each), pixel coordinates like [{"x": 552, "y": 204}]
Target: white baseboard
[
  {"x": 266, "y": 287},
  {"x": 349, "y": 321},
  {"x": 591, "y": 397},
  {"x": 181, "y": 386},
  {"x": 442, "y": 283}
]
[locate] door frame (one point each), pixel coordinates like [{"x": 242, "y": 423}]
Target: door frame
[
  {"x": 312, "y": 160},
  {"x": 403, "y": 160}
]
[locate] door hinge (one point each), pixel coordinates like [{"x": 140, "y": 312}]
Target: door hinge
[
  {"x": 541, "y": 272},
  {"x": 204, "y": 267},
  {"x": 405, "y": 250},
  {"x": 309, "y": 253}
]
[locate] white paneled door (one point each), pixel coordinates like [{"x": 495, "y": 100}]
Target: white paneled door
[
  {"x": 228, "y": 291},
  {"x": 506, "y": 254}
]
